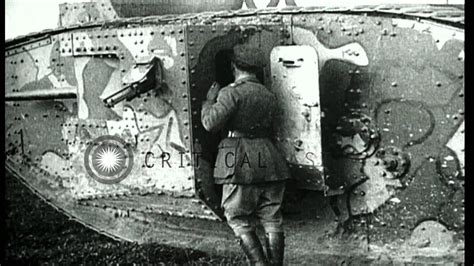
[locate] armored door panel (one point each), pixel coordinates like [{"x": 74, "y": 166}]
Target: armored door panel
[
  {"x": 295, "y": 81},
  {"x": 111, "y": 66}
]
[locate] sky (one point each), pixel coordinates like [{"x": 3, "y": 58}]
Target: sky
[{"x": 26, "y": 16}]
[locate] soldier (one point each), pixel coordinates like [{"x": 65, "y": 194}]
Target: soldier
[{"x": 248, "y": 165}]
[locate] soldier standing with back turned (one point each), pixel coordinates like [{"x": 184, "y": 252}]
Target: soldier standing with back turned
[{"x": 248, "y": 165}]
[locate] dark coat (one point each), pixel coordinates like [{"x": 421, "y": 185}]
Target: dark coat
[{"x": 247, "y": 108}]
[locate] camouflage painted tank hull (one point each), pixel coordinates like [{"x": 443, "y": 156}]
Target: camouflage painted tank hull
[{"x": 389, "y": 173}]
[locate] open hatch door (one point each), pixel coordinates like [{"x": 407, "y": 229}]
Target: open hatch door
[{"x": 295, "y": 81}]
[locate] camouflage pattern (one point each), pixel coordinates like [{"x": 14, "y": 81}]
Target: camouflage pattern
[
  {"x": 391, "y": 99},
  {"x": 106, "y": 10}
]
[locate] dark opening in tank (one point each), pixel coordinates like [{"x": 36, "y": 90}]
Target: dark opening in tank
[{"x": 224, "y": 75}]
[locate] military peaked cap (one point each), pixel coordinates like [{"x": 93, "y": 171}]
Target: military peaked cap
[{"x": 247, "y": 56}]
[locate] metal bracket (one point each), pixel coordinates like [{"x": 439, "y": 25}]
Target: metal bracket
[{"x": 145, "y": 75}]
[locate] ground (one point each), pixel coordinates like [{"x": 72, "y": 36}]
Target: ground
[{"x": 37, "y": 234}]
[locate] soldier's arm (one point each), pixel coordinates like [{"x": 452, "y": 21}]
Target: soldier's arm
[{"x": 214, "y": 115}]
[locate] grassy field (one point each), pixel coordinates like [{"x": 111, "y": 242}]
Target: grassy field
[{"x": 38, "y": 234}]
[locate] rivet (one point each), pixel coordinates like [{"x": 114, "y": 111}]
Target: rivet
[
  {"x": 438, "y": 84},
  {"x": 394, "y": 84}
]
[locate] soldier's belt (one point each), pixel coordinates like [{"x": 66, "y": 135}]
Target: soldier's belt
[{"x": 238, "y": 134}]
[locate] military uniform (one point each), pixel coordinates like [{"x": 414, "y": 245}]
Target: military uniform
[
  {"x": 251, "y": 169},
  {"x": 247, "y": 162}
]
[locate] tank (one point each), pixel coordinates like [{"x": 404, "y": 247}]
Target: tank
[{"x": 102, "y": 121}]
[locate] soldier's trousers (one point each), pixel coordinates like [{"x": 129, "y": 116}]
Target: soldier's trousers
[{"x": 245, "y": 204}]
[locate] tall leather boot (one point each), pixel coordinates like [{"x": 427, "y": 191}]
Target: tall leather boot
[
  {"x": 253, "y": 249},
  {"x": 275, "y": 248}
]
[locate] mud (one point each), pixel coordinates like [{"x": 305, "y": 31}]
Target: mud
[{"x": 37, "y": 234}]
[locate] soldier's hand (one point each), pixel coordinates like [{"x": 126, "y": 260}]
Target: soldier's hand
[{"x": 213, "y": 92}]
